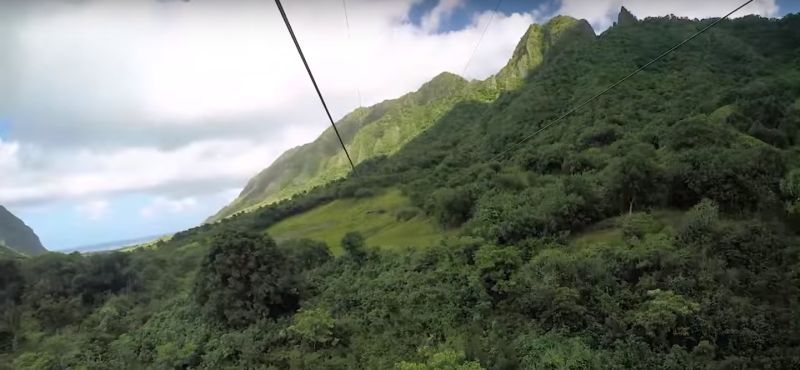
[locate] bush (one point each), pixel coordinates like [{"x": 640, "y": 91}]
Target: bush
[
  {"x": 354, "y": 245},
  {"x": 452, "y": 207}
]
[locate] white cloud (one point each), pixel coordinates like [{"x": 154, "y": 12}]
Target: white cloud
[
  {"x": 197, "y": 167},
  {"x": 8, "y": 157},
  {"x": 162, "y": 205},
  {"x": 93, "y": 210},
  {"x": 602, "y": 13},
  {"x": 186, "y": 97},
  {"x": 444, "y": 9}
]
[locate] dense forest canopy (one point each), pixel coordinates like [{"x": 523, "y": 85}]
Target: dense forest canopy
[{"x": 655, "y": 229}]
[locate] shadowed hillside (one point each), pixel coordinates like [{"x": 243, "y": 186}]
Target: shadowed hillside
[{"x": 16, "y": 235}]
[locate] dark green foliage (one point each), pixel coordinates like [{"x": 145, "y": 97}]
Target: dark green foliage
[
  {"x": 305, "y": 254},
  {"x": 452, "y": 207},
  {"x": 243, "y": 279},
  {"x": 12, "y": 286},
  {"x": 600, "y": 136},
  {"x": 635, "y": 179},
  {"x": 738, "y": 180},
  {"x": 697, "y": 133},
  {"x": 354, "y": 245}
]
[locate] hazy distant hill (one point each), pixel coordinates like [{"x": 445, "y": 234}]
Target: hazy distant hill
[{"x": 16, "y": 235}]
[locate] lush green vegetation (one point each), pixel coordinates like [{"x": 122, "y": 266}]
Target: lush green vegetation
[{"x": 656, "y": 229}]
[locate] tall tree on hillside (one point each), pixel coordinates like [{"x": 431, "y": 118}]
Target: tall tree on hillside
[{"x": 245, "y": 278}]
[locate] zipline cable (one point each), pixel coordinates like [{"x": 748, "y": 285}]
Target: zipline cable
[
  {"x": 313, "y": 81},
  {"x": 347, "y": 23},
  {"x": 477, "y": 45}
]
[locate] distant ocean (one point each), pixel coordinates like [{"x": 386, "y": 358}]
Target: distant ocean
[{"x": 112, "y": 246}]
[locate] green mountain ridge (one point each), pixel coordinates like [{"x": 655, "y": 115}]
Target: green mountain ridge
[
  {"x": 17, "y": 236},
  {"x": 384, "y": 128}
]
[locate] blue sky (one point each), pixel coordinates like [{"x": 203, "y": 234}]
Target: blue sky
[{"x": 135, "y": 118}]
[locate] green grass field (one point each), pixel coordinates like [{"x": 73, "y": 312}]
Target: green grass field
[{"x": 374, "y": 217}]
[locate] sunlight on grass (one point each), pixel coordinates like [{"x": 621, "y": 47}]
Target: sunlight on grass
[{"x": 375, "y": 217}]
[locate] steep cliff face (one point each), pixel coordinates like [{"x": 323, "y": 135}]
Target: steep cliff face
[
  {"x": 384, "y": 128},
  {"x": 538, "y": 42},
  {"x": 15, "y": 235}
]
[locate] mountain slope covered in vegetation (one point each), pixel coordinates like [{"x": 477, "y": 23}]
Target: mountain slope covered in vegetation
[
  {"x": 14, "y": 234},
  {"x": 655, "y": 229},
  {"x": 384, "y": 128}
]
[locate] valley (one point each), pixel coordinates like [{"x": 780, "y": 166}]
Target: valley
[{"x": 656, "y": 228}]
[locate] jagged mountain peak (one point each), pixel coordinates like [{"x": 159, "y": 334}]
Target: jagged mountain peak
[{"x": 625, "y": 17}]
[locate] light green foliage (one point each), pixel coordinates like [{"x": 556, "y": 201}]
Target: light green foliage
[
  {"x": 36, "y": 361},
  {"x": 374, "y": 217},
  {"x": 556, "y": 352},
  {"x": 314, "y": 327},
  {"x": 791, "y": 190},
  {"x": 443, "y": 360},
  {"x": 664, "y": 313},
  {"x": 637, "y": 225}
]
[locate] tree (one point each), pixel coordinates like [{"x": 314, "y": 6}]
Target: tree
[
  {"x": 354, "y": 246},
  {"x": 314, "y": 327},
  {"x": 495, "y": 265},
  {"x": 634, "y": 179},
  {"x": 452, "y": 207},
  {"x": 305, "y": 254},
  {"x": 243, "y": 279},
  {"x": 664, "y": 314}
]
